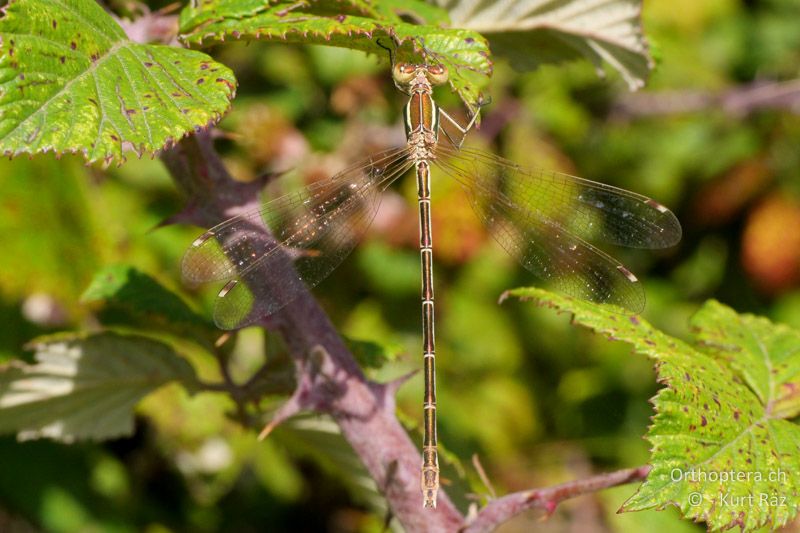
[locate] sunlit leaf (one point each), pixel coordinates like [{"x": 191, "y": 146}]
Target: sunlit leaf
[
  {"x": 532, "y": 32},
  {"x": 85, "y": 387},
  {"x": 419, "y": 11},
  {"x": 764, "y": 355},
  {"x": 350, "y": 24},
  {"x": 87, "y": 88},
  {"x": 723, "y": 449}
]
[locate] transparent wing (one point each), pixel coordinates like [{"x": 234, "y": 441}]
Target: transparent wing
[
  {"x": 543, "y": 218},
  {"x": 587, "y": 208},
  {"x": 310, "y": 232}
]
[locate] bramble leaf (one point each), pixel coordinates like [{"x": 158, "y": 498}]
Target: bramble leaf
[
  {"x": 85, "y": 387},
  {"x": 145, "y": 300},
  {"x": 533, "y": 32},
  {"x": 351, "y": 24},
  {"x": 764, "y": 355},
  {"x": 71, "y": 81},
  {"x": 723, "y": 450}
]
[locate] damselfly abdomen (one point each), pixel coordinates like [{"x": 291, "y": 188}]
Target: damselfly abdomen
[{"x": 544, "y": 219}]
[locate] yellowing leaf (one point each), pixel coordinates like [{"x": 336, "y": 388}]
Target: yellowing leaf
[
  {"x": 349, "y": 24},
  {"x": 723, "y": 449},
  {"x": 71, "y": 81}
]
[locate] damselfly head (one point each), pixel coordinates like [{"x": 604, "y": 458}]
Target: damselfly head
[{"x": 405, "y": 73}]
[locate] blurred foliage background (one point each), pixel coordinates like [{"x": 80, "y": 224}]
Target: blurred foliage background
[{"x": 540, "y": 402}]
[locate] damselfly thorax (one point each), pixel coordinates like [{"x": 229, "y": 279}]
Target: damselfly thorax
[{"x": 542, "y": 218}]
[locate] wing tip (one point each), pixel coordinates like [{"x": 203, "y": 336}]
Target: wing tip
[{"x": 670, "y": 229}]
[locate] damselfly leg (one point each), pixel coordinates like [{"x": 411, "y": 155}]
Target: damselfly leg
[{"x": 544, "y": 219}]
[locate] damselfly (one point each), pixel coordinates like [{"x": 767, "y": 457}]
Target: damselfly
[{"x": 540, "y": 217}]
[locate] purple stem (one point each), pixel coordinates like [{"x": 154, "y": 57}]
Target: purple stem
[
  {"x": 365, "y": 411},
  {"x": 330, "y": 381}
]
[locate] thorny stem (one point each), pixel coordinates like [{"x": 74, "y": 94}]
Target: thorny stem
[
  {"x": 498, "y": 511},
  {"x": 364, "y": 410}
]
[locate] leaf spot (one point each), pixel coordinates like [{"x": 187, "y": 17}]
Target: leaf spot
[{"x": 226, "y": 82}]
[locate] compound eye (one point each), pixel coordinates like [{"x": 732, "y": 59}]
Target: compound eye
[
  {"x": 437, "y": 74},
  {"x": 403, "y": 73}
]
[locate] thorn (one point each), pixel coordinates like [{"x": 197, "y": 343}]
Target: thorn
[
  {"x": 476, "y": 462},
  {"x": 284, "y": 412},
  {"x": 187, "y": 215},
  {"x": 393, "y": 386},
  {"x": 267, "y": 429},
  {"x": 225, "y": 337}
]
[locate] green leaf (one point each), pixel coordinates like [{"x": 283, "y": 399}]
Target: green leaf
[
  {"x": 764, "y": 355},
  {"x": 371, "y": 354},
  {"x": 532, "y": 32},
  {"x": 85, "y": 387},
  {"x": 349, "y": 24},
  {"x": 722, "y": 449},
  {"x": 122, "y": 287},
  {"x": 70, "y": 81},
  {"x": 419, "y": 11}
]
